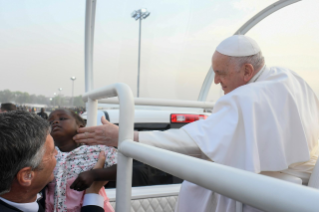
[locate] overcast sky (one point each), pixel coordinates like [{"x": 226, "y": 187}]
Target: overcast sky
[{"x": 42, "y": 43}]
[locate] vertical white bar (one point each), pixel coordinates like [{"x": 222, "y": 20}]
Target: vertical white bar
[
  {"x": 89, "y": 40},
  {"x": 139, "y": 57},
  {"x": 124, "y": 165},
  {"x": 123, "y": 183},
  {"x": 91, "y": 112},
  {"x": 239, "y": 206}
]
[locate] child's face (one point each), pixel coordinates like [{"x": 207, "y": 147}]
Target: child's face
[{"x": 63, "y": 125}]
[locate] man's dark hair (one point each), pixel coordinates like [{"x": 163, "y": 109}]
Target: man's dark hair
[
  {"x": 8, "y": 107},
  {"x": 22, "y": 138}
]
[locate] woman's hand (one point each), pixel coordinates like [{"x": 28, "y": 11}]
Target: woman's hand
[{"x": 106, "y": 134}]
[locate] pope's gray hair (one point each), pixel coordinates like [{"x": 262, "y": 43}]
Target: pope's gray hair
[
  {"x": 22, "y": 144},
  {"x": 257, "y": 61}
]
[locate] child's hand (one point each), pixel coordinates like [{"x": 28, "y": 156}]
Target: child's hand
[
  {"x": 83, "y": 181},
  {"x": 86, "y": 179}
]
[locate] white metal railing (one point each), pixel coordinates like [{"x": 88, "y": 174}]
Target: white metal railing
[
  {"x": 126, "y": 130},
  {"x": 164, "y": 103},
  {"x": 259, "y": 191}
]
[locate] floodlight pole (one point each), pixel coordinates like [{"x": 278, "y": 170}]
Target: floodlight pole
[
  {"x": 72, "y": 92},
  {"x": 73, "y": 78},
  {"x": 139, "y": 57},
  {"x": 139, "y": 15}
]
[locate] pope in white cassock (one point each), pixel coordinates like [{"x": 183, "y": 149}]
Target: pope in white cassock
[{"x": 266, "y": 121}]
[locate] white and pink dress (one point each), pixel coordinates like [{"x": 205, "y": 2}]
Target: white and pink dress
[{"x": 59, "y": 196}]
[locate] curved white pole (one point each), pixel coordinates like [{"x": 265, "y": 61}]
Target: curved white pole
[
  {"x": 263, "y": 14},
  {"x": 241, "y": 31},
  {"x": 88, "y": 43}
]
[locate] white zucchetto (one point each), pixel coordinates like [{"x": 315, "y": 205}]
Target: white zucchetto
[{"x": 238, "y": 46}]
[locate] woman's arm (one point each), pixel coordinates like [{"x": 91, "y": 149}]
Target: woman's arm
[{"x": 85, "y": 179}]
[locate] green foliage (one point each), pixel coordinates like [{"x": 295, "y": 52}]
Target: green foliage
[
  {"x": 78, "y": 101},
  {"x": 22, "y": 97},
  {"x": 6, "y": 96}
]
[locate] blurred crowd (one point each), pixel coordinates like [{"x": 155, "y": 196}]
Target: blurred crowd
[{"x": 43, "y": 112}]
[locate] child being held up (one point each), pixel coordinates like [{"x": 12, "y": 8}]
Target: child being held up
[{"x": 73, "y": 172}]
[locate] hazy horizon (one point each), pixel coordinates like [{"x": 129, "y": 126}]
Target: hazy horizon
[{"x": 42, "y": 43}]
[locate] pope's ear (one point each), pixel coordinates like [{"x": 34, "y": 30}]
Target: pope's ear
[
  {"x": 248, "y": 72},
  {"x": 25, "y": 176}
]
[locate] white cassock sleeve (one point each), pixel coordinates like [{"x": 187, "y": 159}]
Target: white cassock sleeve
[{"x": 176, "y": 140}]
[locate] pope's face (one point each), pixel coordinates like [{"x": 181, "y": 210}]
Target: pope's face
[{"x": 226, "y": 73}]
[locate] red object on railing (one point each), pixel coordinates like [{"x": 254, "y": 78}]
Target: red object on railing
[{"x": 186, "y": 118}]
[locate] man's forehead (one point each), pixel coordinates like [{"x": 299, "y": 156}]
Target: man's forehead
[
  {"x": 49, "y": 143},
  {"x": 219, "y": 60},
  {"x": 218, "y": 55},
  {"x": 49, "y": 148}
]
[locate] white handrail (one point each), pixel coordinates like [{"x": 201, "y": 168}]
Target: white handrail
[
  {"x": 165, "y": 103},
  {"x": 126, "y": 123},
  {"x": 259, "y": 191}
]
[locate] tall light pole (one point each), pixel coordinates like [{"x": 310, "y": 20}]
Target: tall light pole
[
  {"x": 73, "y": 78},
  {"x": 139, "y": 15},
  {"x": 54, "y": 99},
  {"x": 60, "y": 89}
]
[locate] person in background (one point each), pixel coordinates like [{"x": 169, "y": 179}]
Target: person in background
[
  {"x": 268, "y": 120},
  {"x": 5, "y": 107},
  {"x": 43, "y": 114},
  {"x": 27, "y": 160}
]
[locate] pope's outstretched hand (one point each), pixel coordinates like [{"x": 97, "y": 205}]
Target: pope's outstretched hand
[{"x": 106, "y": 134}]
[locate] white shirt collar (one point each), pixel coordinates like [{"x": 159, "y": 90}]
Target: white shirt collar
[
  {"x": 25, "y": 207},
  {"x": 255, "y": 78}
]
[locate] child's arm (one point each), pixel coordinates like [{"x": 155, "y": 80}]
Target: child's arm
[{"x": 85, "y": 179}]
